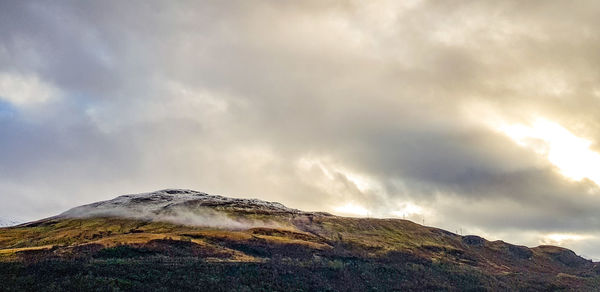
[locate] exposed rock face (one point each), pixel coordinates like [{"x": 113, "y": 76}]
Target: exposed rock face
[
  {"x": 473, "y": 240},
  {"x": 520, "y": 251},
  {"x": 565, "y": 256}
]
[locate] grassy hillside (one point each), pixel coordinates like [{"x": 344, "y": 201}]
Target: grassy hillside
[{"x": 303, "y": 252}]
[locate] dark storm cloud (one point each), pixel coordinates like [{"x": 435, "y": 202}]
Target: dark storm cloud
[{"x": 311, "y": 103}]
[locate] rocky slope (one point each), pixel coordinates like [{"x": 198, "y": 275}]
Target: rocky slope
[{"x": 193, "y": 228}]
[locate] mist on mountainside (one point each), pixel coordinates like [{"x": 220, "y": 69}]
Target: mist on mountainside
[{"x": 175, "y": 206}]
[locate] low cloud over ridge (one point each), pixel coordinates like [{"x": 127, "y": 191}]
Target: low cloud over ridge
[{"x": 316, "y": 104}]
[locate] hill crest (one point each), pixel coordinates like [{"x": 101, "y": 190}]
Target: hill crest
[{"x": 190, "y": 225}]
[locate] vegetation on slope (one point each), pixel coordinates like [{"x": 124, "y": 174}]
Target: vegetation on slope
[
  {"x": 314, "y": 253},
  {"x": 294, "y": 251}
]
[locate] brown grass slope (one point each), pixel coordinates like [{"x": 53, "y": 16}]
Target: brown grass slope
[{"x": 295, "y": 236}]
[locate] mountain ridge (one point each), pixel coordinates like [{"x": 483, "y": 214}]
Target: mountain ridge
[{"x": 193, "y": 226}]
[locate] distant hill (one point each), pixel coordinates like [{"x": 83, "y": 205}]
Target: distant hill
[{"x": 187, "y": 240}]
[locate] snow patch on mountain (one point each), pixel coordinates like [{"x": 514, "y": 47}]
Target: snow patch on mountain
[
  {"x": 7, "y": 222},
  {"x": 185, "y": 207}
]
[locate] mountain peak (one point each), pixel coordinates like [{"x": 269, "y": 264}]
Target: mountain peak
[{"x": 181, "y": 206}]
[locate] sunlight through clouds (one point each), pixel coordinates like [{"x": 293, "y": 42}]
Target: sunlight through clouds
[
  {"x": 571, "y": 154},
  {"x": 380, "y": 108},
  {"x": 407, "y": 210},
  {"x": 333, "y": 172},
  {"x": 562, "y": 238},
  {"x": 352, "y": 209},
  {"x": 25, "y": 90}
]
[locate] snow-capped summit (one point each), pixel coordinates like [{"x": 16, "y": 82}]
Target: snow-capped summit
[
  {"x": 7, "y": 222},
  {"x": 170, "y": 199},
  {"x": 185, "y": 207}
]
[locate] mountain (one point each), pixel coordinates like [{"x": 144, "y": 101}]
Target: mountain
[
  {"x": 181, "y": 207},
  {"x": 187, "y": 240}
]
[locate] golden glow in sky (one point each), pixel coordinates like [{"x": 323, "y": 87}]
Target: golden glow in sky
[
  {"x": 561, "y": 238},
  {"x": 570, "y": 154},
  {"x": 352, "y": 209},
  {"x": 408, "y": 209}
]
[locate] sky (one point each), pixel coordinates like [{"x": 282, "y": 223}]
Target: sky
[{"x": 479, "y": 117}]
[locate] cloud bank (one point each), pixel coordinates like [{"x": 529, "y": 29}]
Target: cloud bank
[{"x": 399, "y": 109}]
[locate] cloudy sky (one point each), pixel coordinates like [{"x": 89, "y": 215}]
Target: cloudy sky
[{"x": 480, "y": 116}]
